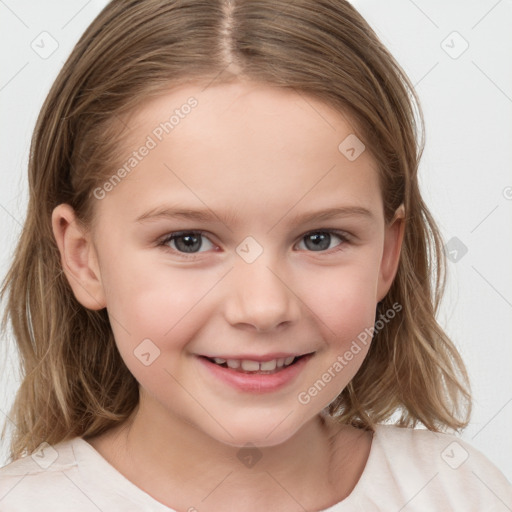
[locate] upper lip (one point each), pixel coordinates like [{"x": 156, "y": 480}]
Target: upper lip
[{"x": 258, "y": 357}]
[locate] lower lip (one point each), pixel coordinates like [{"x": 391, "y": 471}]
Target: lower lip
[{"x": 253, "y": 382}]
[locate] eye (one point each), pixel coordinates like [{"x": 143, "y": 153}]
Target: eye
[
  {"x": 189, "y": 242},
  {"x": 321, "y": 240}
]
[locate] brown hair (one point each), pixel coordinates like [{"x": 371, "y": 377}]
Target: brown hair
[{"x": 74, "y": 380}]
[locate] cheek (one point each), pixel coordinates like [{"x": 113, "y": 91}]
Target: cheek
[
  {"x": 155, "y": 302},
  {"x": 343, "y": 298},
  {"x": 343, "y": 305},
  {"x": 153, "y": 315}
]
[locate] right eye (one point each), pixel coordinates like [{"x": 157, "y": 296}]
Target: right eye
[{"x": 185, "y": 242}]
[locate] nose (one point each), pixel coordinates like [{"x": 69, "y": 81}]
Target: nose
[{"x": 259, "y": 297}]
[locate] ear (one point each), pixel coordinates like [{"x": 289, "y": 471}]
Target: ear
[
  {"x": 78, "y": 258},
  {"x": 394, "y": 233}
]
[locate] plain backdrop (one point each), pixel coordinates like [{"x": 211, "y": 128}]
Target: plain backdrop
[{"x": 459, "y": 56}]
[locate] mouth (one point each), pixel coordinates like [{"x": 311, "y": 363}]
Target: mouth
[
  {"x": 256, "y": 374},
  {"x": 255, "y": 367}
]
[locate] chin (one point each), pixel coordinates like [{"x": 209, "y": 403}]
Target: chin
[
  {"x": 257, "y": 439},
  {"x": 255, "y": 432}
]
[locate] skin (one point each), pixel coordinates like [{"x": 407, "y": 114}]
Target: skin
[{"x": 265, "y": 155}]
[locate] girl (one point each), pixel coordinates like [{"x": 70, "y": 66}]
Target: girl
[{"x": 224, "y": 294}]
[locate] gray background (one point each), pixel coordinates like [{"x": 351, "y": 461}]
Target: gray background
[{"x": 465, "y": 173}]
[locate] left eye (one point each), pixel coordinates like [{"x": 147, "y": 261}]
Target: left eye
[{"x": 321, "y": 240}]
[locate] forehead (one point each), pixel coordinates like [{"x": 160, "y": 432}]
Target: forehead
[{"x": 242, "y": 145}]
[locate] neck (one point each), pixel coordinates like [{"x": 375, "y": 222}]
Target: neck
[{"x": 184, "y": 468}]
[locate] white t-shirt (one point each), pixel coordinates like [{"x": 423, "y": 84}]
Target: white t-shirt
[{"x": 407, "y": 470}]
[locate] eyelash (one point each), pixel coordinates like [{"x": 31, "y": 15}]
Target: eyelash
[{"x": 344, "y": 237}]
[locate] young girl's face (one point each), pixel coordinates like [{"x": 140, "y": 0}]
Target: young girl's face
[{"x": 292, "y": 257}]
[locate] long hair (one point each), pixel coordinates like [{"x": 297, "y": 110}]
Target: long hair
[{"x": 74, "y": 382}]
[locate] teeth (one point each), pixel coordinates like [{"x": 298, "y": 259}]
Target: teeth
[
  {"x": 268, "y": 365},
  {"x": 254, "y": 366},
  {"x": 250, "y": 366}
]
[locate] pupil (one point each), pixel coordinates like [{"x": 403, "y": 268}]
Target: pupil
[
  {"x": 191, "y": 243},
  {"x": 321, "y": 241}
]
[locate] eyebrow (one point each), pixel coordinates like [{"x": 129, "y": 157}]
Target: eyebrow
[{"x": 208, "y": 215}]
